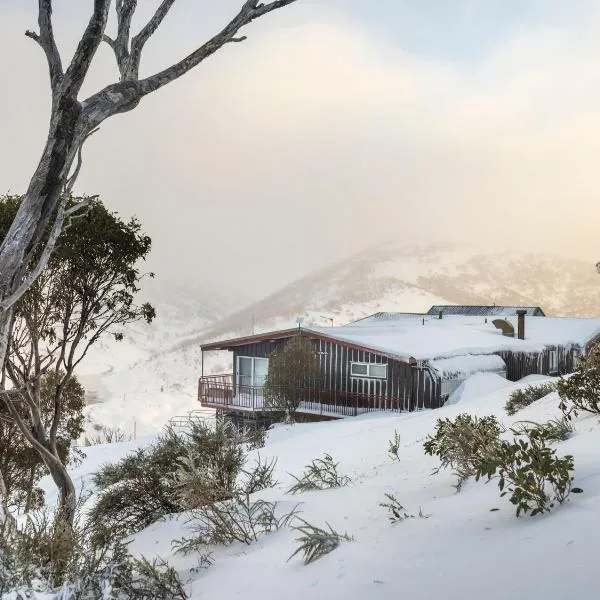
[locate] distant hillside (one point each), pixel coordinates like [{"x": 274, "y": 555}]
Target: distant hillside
[{"x": 393, "y": 277}]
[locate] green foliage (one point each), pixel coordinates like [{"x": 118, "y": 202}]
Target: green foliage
[
  {"x": 319, "y": 475},
  {"x": 236, "y": 520},
  {"x": 314, "y": 543},
  {"x": 180, "y": 471},
  {"x": 78, "y": 562},
  {"x": 21, "y": 467},
  {"x": 260, "y": 477},
  {"x": 463, "y": 443},
  {"x": 142, "y": 579},
  {"x": 292, "y": 369},
  {"x": 524, "y": 397},
  {"x": 394, "y": 447},
  {"x": 530, "y": 471},
  {"x": 581, "y": 390},
  {"x": 554, "y": 430}
]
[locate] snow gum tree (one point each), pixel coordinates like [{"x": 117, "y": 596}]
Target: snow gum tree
[
  {"x": 73, "y": 120},
  {"x": 87, "y": 290}
]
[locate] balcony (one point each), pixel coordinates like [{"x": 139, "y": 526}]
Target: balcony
[{"x": 220, "y": 392}]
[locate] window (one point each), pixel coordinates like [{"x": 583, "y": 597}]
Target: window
[
  {"x": 368, "y": 370},
  {"x": 553, "y": 361},
  {"x": 251, "y": 371}
]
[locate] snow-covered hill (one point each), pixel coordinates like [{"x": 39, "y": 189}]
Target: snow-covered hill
[
  {"x": 470, "y": 546},
  {"x": 412, "y": 278}
]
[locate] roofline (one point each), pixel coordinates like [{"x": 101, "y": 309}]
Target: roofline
[{"x": 232, "y": 343}]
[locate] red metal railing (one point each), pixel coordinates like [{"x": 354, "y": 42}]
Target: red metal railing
[{"x": 219, "y": 391}]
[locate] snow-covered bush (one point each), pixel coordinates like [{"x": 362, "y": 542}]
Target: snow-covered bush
[
  {"x": 321, "y": 474},
  {"x": 239, "y": 519},
  {"x": 531, "y": 472},
  {"x": 524, "y": 397},
  {"x": 463, "y": 443},
  {"x": 314, "y": 543},
  {"x": 180, "y": 471},
  {"x": 554, "y": 430},
  {"x": 581, "y": 391},
  {"x": 63, "y": 563}
]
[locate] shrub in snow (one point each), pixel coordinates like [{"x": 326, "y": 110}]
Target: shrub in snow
[
  {"x": 314, "y": 543},
  {"x": 179, "y": 472},
  {"x": 394, "y": 447},
  {"x": 461, "y": 444},
  {"x": 47, "y": 556},
  {"x": 319, "y": 475},
  {"x": 396, "y": 511},
  {"x": 581, "y": 391},
  {"x": 260, "y": 477},
  {"x": 237, "y": 520},
  {"x": 554, "y": 430},
  {"x": 106, "y": 435},
  {"x": 530, "y": 471},
  {"x": 524, "y": 397}
]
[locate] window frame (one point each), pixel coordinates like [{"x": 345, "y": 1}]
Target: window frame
[
  {"x": 368, "y": 374},
  {"x": 253, "y": 373},
  {"x": 553, "y": 360}
]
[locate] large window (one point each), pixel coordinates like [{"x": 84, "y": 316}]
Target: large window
[
  {"x": 374, "y": 371},
  {"x": 251, "y": 371}
]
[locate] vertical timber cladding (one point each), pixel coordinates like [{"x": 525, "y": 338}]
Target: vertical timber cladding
[
  {"x": 405, "y": 388},
  {"x": 521, "y": 364}
]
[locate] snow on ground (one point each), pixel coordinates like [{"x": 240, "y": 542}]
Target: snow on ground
[{"x": 462, "y": 551}]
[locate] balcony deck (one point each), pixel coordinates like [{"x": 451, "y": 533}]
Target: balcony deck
[{"x": 219, "y": 392}]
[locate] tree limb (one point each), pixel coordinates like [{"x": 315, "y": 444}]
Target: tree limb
[
  {"x": 252, "y": 9},
  {"x": 46, "y": 40},
  {"x": 86, "y": 49},
  {"x": 62, "y": 215}
]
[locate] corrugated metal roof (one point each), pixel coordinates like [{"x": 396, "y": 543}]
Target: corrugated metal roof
[{"x": 487, "y": 311}]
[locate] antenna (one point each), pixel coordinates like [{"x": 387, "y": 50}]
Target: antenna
[
  {"x": 328, "y": 319},
  {"x": 299, "y": 321}
]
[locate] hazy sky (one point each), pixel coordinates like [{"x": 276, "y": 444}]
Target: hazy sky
[{"x": 336, "y": 125}]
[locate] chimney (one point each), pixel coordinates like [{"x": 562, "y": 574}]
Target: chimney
[
  {"x": 521, "y": 324},
  {"x": 440, "y": 314}
]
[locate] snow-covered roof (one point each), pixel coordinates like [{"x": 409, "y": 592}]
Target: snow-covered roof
[
  {"x": 458, "y": 335},
  {"x": 489, "y": 311}
]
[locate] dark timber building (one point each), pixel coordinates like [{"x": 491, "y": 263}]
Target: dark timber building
[{"x": 403, "y": 361}]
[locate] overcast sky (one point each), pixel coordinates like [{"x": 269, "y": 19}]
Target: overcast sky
[{"x": 338, "y": 124}]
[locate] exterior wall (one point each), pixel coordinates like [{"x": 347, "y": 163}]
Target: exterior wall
[
  {"x": 521, "y": 364},
  {"x": 405, "y": 388}
]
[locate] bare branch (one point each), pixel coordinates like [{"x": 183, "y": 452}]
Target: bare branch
[
  {"x": 46, "y": 40},
  {"x": 139, "y": 41},
  {"x": 120, "y": 45},
  {"x": 252, "y": 9},
  {"x": 86, "y": 49}
]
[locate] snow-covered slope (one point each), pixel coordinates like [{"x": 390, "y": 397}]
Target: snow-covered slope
[
  {"x": 140, "y": 381},
  {"x": 470, "y": 546}
]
